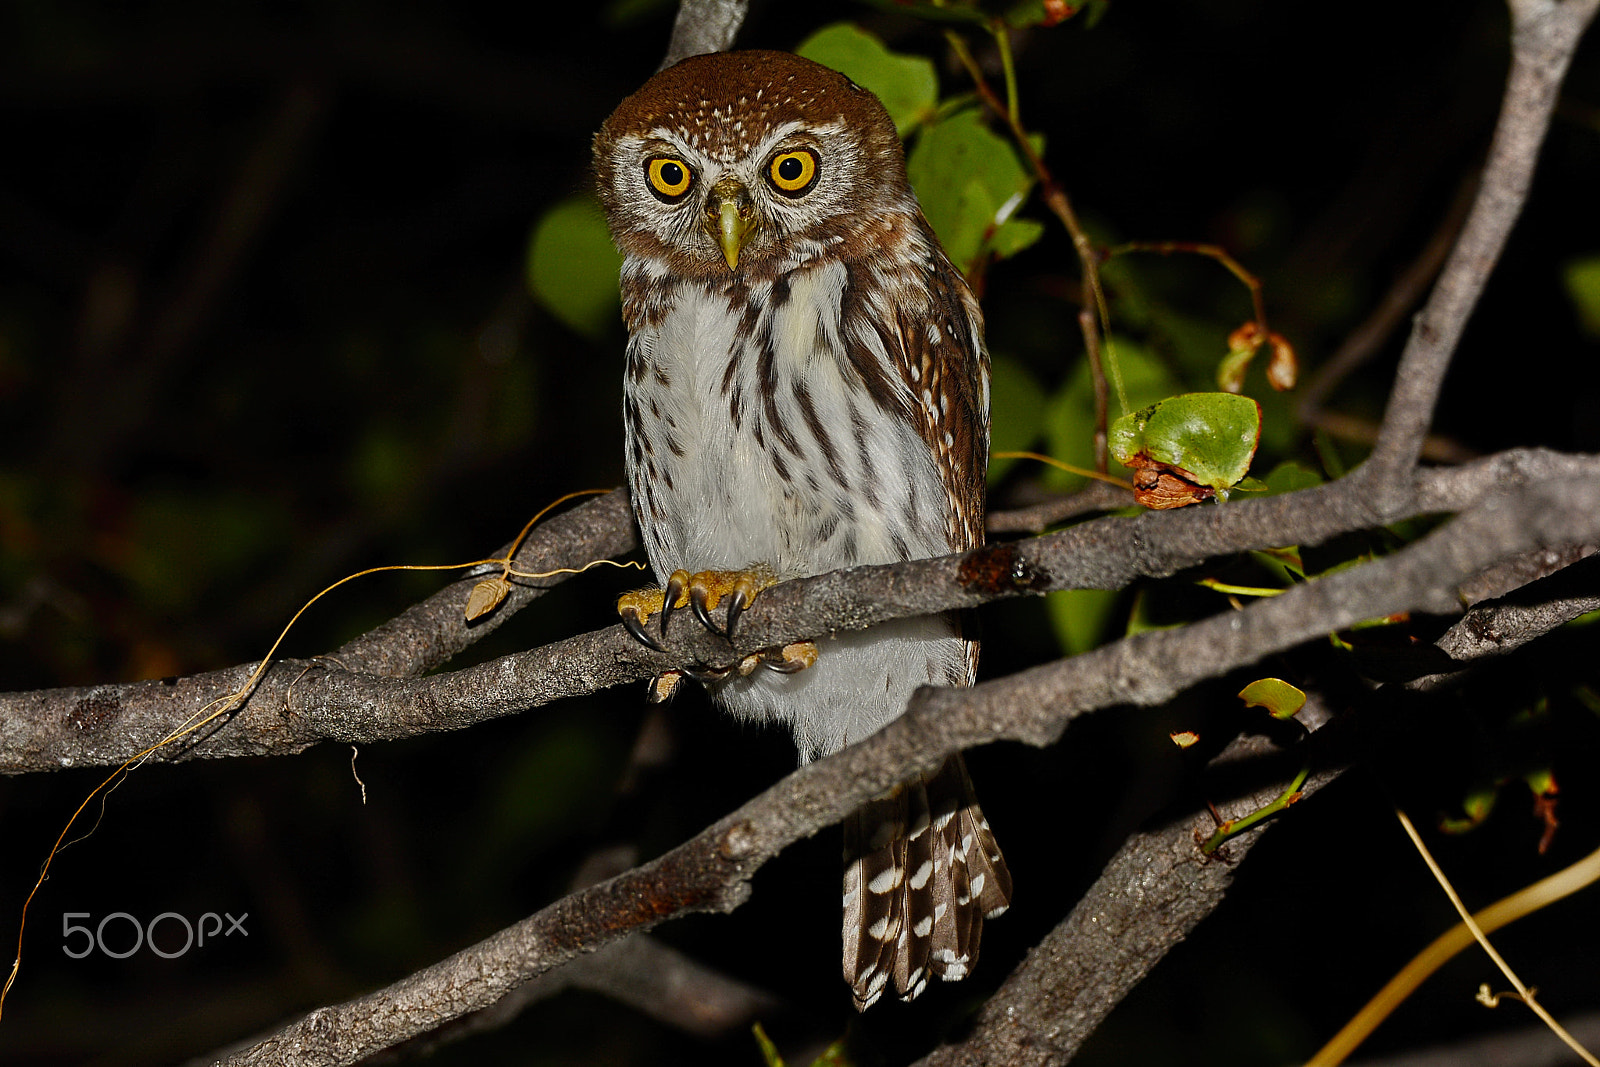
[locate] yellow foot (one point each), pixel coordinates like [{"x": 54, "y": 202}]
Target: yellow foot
[
  {"x": 702, "y": 593},
  {"x": 636, "y": 607},
  {"x": 791, "y": 659},
  {"x": 664, "y": 686}
]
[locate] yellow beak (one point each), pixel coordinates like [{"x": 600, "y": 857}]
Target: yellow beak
[{"x": 729, "y": 215}]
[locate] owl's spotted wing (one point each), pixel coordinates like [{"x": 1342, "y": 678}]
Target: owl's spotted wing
[
  {"x": 922, "y": 869},
  {"x": 924, "y": 334}
]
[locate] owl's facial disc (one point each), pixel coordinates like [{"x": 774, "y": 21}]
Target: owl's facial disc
[{"x": 729, "y": 217}]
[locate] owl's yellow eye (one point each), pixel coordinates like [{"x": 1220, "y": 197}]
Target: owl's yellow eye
[
  {"x": 792, "y": 173},
  {"x": 669, "y": 178}
]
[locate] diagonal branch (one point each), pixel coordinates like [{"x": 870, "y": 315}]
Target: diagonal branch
[
  {"x": 712, "y": 871},
  {"x": 1155, "y": 890},
  {"x": 1544, "y": 36},
  {"x": 300, "y": 703}
]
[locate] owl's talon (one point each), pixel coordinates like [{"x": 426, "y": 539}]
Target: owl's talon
[
  {"x": 633, "y": 622},
  {"x": 796, "y": 658},
  {"x": 698, "y": 597},
  {"x": 737, "y": 602},
  {"x": 671, "y": 597},
  {"x": 701, "y": 673},
  {"x": 664, "y": 686}
]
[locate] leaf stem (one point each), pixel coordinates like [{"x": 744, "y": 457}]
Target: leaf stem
[
  {"x": 1002, "y": 40},
  {"x": 1055, "y": 198},
  {"x": 1235, "y": 826}
]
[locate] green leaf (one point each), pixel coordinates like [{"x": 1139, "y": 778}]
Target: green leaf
[
  {"x": 969, "y": 181},
  {"x": 769, "y": 1051},
  {"x": 907, "y": 85},
  {"x": 1280, "y": 698},
  {"x": 1014, "y": 235},
  {"x": 573, "y": 267},
  {"x": 1290, "y": 476},
  {"x": 1016, "y": 407},
  {"x": 1582, "y": 280},
  {"x": 1476, "y": 806},
  {"x": 1069, "y": 415},
  {"x": 1213, "y": 436},
  {"x": 1080, "y": 617}
]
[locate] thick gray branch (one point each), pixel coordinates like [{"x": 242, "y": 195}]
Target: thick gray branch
[
  {"x": 299, "y": 704},
  {"x": 712, "y": 871}
]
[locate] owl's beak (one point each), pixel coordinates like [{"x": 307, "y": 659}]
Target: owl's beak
[{"x": 730, "y": 216}]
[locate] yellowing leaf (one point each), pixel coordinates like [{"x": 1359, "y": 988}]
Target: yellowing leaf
[
  {"x": 486, "y": 596},
  {"x": 1281, "y": 699},
  {"x": 1581, "y": 277}
]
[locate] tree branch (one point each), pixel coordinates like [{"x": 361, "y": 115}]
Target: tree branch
[
  {"x": 704, "y": 26},
  {"x": 1157, "y": 888},
  {"x": 712, "y": 871},
  {"x": 1544, "y": 36},
  {"x": 299, "y": 703}
]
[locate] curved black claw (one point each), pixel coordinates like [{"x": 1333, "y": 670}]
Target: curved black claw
[
  {"x": 664, "y": 687},
  {"x": 674, "y": 590},
  {"x": 791, "y": 659},
  {"x": 701, "y": 673},
  {"x": 785, "y": 666},
  {"x": 697, "y": 602},
  {"x": 635, "y": 626},
  {"x": 737, "y": 602}
]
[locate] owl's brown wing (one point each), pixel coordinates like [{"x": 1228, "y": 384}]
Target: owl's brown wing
[
  {"x": 954, "y": 365},
  {"x": 932, "y": 329},
  {"x": 922, "y": 869}
]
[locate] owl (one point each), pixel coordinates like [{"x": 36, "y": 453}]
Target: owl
[{"x": 807, "y": 388}]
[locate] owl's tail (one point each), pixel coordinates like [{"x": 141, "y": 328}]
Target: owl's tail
[{"x": 922, "y": 872}]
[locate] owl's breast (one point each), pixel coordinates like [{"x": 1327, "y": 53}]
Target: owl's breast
[{"x": 752, "y": 437}]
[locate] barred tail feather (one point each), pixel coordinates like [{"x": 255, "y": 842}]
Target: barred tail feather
[
  {"x": 922, "y": 872},
  {"x": 875, "y": 848}
]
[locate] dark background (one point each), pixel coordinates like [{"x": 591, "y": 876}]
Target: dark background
[{"x": 263, "y": 323}]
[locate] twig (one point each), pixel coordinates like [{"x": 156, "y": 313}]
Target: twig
[
  {"x": 1526, "y": 995},
  {"x": 1501, "y": 913},
  {"x": 1366, "y": 340},
  {"x": 1055, "y": 197},
  {"x": 1036, "y": 518},
  {"x": 1544, "y": 35}
]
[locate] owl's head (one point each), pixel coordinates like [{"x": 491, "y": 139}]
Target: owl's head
[{"x": 749, "y": 161}]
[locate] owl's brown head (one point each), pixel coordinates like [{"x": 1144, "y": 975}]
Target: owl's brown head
[{"x": 749, "y": 160}]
